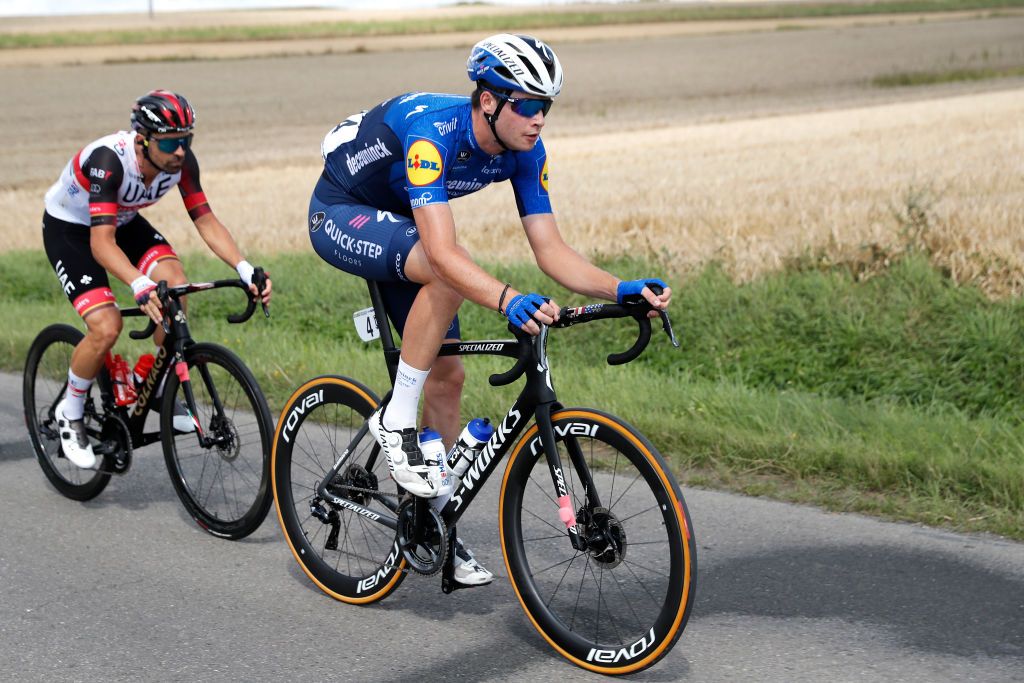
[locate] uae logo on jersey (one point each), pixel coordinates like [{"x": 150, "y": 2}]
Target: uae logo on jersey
[
  {"x": 423, "y": 163},
  {"x": 316, "y": 220}
]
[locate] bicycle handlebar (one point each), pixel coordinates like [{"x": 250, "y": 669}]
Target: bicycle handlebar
[
  {"x": 165, "y": 293},
  {"x": 575, "y": 315}
]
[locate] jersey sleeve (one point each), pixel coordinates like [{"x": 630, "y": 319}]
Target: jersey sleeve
[
  {"x": 427, "y": 154},
  {"x": 103, "y": 171},
  {"x": 191, "y": 191},
  {"x": 530, "y": 181}
]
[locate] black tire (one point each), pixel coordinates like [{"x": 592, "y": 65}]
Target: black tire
[
  {"x": 224, "y": 487},
  {"x": 613, "y": 612},
  {"x": 43, "y": 385},
  {"x": 315, "y": 426}
]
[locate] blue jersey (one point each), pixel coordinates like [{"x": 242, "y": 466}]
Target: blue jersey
[{"x": 419, "y": 149}]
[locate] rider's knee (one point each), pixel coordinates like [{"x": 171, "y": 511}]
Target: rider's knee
[
  {"x": 170, "y": 270},
  {"x": 104, "y": 328}
]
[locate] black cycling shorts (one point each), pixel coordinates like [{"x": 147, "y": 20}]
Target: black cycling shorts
[{"x": 83, "y": 280}]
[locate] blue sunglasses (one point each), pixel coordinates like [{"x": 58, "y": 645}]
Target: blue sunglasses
[
  {"x": 171, "y": 145},
  {"x": 525, "y": 106}
]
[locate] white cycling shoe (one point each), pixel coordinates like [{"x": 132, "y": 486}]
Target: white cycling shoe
[
  {"x": 468, "y": 571},
  {"x": 74, "y": 440},
  {"x": 405, "y": 459},
  {"x": 182, "y": 419}
]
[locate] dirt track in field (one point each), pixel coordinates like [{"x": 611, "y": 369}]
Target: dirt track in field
[{"x": 262, "y": 119}]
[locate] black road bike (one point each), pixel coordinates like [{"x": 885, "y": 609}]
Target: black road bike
[
  {"x": 220, "y": 471},
  {"x": 594, "y": 530}
]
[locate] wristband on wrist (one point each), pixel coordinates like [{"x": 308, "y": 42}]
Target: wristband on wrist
[
  {"x": 245, "y": 271},
  {"x": 141, "y": 284},
  {"x": 501, "y": 299},
  {"x": 141, "y": 287}
]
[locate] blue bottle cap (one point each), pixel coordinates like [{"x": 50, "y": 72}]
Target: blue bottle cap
[
  {"x": 428, "y": 434},
  {"x": 481, "y": 429}
]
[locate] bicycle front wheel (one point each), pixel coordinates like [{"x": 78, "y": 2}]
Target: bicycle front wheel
[
  {"x": 349, "y": 552},
  {"x": 43, "y": 385},
  {"x": 618, "y": 606},
  {"x": 221, "y": 471}
]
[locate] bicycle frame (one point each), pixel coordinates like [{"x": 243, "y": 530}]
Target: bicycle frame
[
  {"x": 537, "y": 399},
  {"x": 171, "y": 353}
]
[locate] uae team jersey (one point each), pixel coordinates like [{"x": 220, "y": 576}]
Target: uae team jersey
[
  {"x": 419, "y": 149},
  {"x": 103, "y": 185}
]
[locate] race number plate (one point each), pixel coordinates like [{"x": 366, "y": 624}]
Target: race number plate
[{"x": 366, "y": 324}]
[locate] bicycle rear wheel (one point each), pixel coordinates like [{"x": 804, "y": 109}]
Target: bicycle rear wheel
[
  {"x": 43, "y": 384},
  {"x": 619, "y": 606},
  {"x": 348, "y": 553},
  {"x": 224, "y": 485}
]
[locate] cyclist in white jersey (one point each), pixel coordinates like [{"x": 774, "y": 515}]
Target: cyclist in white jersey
[{"x": 92, "y": 225}]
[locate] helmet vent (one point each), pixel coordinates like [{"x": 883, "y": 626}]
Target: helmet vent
[{"x": 533, "y": 71}]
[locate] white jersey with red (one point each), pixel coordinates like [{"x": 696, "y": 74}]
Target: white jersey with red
[{"x": 103, "y": 184}]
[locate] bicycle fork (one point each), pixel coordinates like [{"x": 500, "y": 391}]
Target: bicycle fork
[
  {"x": 179, "y": 322},
  {"x": 566, "y": 513}
]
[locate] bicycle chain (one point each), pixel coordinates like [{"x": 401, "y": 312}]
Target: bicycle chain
[{"x": 376, "y": 492}]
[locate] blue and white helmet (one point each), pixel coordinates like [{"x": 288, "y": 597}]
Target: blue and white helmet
[{"x": 515, "y": 62}]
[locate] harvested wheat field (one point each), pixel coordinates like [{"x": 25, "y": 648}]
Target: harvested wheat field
[{"x": 751, "y": 155}]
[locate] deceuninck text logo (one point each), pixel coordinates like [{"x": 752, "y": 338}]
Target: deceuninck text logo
[{"x": 423, "y": 163}]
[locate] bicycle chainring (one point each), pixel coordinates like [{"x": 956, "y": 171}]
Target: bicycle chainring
[
  {"x": 115, "y": 443},
  {"x": 422, "y": 535}
]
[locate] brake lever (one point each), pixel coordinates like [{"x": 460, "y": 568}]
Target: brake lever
[
  {"x": 666, "y": 325},
  {"x": 161, "y": 294},
  {"x": 259, "y": 278}
]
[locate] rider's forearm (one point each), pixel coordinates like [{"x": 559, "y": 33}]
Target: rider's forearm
[
  {"x": 109, "y": 255},
  {"x": 218, "y": 239},
  {"x": 568, "y": 268},
  {"x": 461, "y": 273},
  {"x": 564, "y": 264}
]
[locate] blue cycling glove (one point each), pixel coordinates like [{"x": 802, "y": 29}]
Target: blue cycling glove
[
  {"x": 521, "y": 308},
  {"x": 632, "y": 288}
]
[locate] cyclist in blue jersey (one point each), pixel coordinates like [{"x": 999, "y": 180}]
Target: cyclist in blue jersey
[{"x": 380, "y": 210}]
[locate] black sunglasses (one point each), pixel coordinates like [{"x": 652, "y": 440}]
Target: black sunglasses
[{"x": 171, "y": 145}]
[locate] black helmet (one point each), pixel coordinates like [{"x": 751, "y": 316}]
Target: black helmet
[{"x": 162, "y": 111}]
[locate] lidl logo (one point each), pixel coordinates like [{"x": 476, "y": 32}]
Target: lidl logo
[
  {"x": 423, "y": 163},
  {"x": 544, "y": 176}
]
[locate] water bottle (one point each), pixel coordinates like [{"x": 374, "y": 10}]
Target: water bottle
[
  {"x": 142, "y": 368},
  {"x": 471, "y": 441},
  {"x": 434, "y": 457},
  {"x": 120, "y": 378}
]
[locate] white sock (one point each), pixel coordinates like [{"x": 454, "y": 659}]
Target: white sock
[
  {"x": 74, "y": 398},
  {"x": 405, "y": 400}
]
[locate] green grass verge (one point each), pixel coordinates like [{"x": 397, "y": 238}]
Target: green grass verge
[
  {"x": 898, "y": 396},
  {"x": 911, "y": 78},
  {"x": 489, "y": 23}
]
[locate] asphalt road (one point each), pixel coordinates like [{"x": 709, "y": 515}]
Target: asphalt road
[{"x": 126, "y": 587}]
